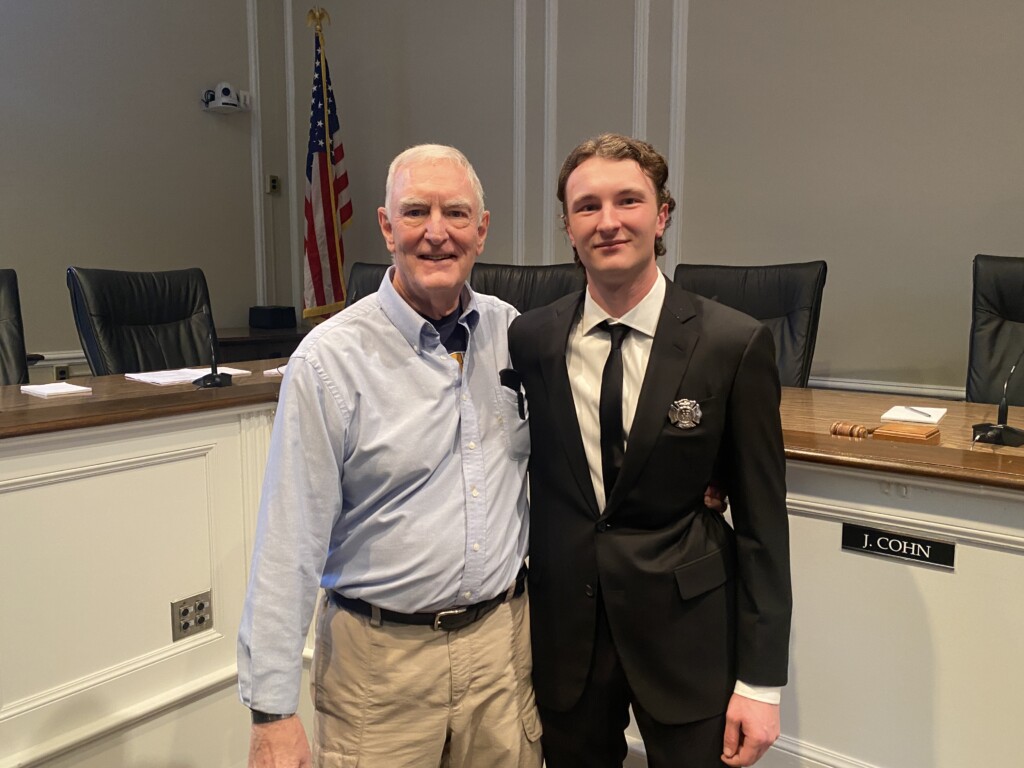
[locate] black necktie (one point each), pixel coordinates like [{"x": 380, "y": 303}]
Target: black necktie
[{"x": 610, "y": 409}]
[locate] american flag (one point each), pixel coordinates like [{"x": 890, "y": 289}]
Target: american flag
[{"x": 328, "y": 204}]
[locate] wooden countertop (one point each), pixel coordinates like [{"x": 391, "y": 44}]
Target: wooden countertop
[
  {"x": 806, "y": 417},
  {"x": 115, "y": 400}
]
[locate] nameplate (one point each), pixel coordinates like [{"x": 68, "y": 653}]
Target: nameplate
[{"x": 872, "y": 541}]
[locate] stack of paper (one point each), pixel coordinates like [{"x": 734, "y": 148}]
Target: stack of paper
[
  {"x": 57, "y": 389},
  {"x": 181, "y": 375},
  {"x": 914, "y": 414}
]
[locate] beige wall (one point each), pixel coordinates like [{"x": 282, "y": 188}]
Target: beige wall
[
  {"x": 885, "y": 137},
  {"x": 881, "y": 136},
  {"x": 106, "y": 159},
  {"x": 408, "y": 73}
]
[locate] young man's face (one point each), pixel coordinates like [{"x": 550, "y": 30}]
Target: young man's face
[
  {"x": 435, "y": 232},
  {"x": 612, "y": 219}
]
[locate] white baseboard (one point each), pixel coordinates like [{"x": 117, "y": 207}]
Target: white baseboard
[
  {"x": 787, "y": 752},
  {"x": 63, "y": 357},
  {"x": 889, "y": 387},
  {"x": 45, "y": 370},
  {"x": 801, "y": 754},
  {"x": 162, "y": 703}
]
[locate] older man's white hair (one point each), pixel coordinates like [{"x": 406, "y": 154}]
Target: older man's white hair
[{"x": 425, "y": 153}]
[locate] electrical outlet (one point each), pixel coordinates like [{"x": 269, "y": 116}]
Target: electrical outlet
[
  {"x": 272, "y": 184},
  {"x": 61, "y": 373},
  {"x": 191, "y": 615}
]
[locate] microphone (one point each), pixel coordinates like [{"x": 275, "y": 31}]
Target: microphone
[
  {"x": 1001, "y": 433},
  {"x": 212, "y": 380}
]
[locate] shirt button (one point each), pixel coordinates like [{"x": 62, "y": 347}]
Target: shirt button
[
  {"x": 467, "y": 595},
  {"x": 472, "y": 445},
  {"x": 474, "y": 492},
  {"x": 465, "y": 397},
  {"x": 602, "y": 526},
  {"x": 588, "y": 591},
  {"x": 476, "y": 547}
]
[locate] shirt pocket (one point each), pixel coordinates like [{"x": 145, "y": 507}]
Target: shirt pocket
[{"x": 516, "y": 430}]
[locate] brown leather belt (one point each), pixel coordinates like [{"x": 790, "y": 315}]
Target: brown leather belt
[{"x": 441, "y": 621}]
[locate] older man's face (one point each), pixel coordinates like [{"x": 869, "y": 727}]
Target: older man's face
[{"x": 435, "y": 232}]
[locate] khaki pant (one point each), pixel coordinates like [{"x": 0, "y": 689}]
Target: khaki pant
[{"x": 396, "y": 695}]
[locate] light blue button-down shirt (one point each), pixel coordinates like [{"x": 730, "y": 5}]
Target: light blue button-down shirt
[{"x": 394, "y": 476}]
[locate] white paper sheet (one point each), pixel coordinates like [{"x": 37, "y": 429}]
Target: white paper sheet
[{"x": 914, "y": 414}]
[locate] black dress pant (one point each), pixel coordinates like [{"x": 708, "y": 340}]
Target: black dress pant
[{"x": 591, "y": 734}]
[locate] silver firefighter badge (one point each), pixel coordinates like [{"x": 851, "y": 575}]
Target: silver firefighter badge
[{"x": 684, "y": 413}]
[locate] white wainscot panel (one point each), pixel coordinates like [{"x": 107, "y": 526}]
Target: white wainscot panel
[
  {"x": 100, "y": 530},
  {"x": 894, "y": 664}
]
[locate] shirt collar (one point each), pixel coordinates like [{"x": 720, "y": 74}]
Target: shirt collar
[
  {"x": 643, "y": 317},
  {"x": 414, "y": 328}
]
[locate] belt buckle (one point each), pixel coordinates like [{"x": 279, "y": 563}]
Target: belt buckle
[{"x": 440, "y": 616}]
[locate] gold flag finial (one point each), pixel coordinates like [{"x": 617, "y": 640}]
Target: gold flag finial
[{"x": 316, "y": 18}]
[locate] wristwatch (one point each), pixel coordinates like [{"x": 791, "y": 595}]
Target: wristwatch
[{"x": 259, "y": 718}]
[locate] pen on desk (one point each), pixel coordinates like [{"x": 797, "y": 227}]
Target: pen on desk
[{"x": 920, "y": 411}]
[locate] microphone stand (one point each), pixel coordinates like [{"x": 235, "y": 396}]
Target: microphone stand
[
  {"x": 1001, "y": 433},
  {"x": 212, "y": 380}
]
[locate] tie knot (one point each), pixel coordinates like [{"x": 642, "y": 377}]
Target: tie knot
[{"x": 617, "y": 331}]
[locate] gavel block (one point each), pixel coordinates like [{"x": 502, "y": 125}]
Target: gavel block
[{"x": 922, "y": 434}]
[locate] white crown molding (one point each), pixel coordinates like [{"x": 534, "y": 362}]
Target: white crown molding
[{"x": 912, "y": 526}]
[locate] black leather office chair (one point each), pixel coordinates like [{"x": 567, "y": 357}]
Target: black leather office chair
[
  {"x": 13, "y": 363},
  {"x": 785, "y": 297},
  {"x": 527, "y": 287},
  {"x": 997, "y": 330},
  {"x": 130, "y": 322},
  {"x": 363, "y": 279},
  {"x": 522, "y": 287}
]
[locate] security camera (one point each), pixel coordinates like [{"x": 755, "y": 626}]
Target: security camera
[{"x": 224, "y": 95}]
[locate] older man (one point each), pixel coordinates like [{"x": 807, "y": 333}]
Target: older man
[
  {"x": 640, "y": 393},
  {"x": 396, "y": 483}
]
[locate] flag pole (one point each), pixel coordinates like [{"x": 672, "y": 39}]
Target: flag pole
[{"x": 315, "y": 18}]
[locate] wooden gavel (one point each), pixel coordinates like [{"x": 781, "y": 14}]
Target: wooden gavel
[{"x": 849, "y": 429}]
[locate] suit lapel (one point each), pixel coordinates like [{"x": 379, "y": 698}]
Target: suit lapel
[
  {"x": 556, "y": 379},
  {"x": 674, "y": 341}
]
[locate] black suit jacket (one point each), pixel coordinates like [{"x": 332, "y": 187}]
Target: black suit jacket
[{"x": 692, "y": 602}]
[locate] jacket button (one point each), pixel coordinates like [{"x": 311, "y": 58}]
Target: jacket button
[
  {"x": 588, "y": 590},
  {"x": 602, "y": 526}
]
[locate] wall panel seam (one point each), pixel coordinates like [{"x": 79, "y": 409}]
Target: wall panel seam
[
  {"x": 256, "y": 153},
  {"x": 519, "y": 136},
  {"x": 641, "y": 38},
  {"x": 550, "y": 124}
]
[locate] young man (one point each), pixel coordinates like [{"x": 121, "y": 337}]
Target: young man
[
  {"x": 640, "y": 393},
  {"x": 396, "y": 482}
]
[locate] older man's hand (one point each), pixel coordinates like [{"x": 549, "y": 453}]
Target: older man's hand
[
  {"x": 280, "y": 744},
  {"x": 715, "y": 499}
]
